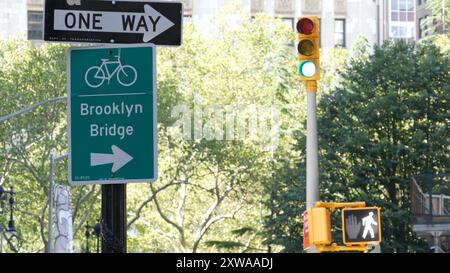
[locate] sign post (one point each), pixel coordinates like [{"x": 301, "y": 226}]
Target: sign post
[{"x": 106, "y": 22}]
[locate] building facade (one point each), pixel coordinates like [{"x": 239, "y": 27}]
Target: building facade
[
  {"x": 422, "y": 15},
  {"x": 13, "y": 18},
  {"x": 342, "y": 21}
]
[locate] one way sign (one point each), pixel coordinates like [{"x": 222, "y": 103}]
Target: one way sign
[{"x": 107, "y": 21}]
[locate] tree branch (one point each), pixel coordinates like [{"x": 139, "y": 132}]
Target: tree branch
[{"x": 169, "y": 221}]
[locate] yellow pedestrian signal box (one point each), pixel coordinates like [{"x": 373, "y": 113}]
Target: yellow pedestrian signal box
[
  {"x": 361, "y": 226},
  {"x": 319, "y": 226},
  {"x": 308, "y": 48}
]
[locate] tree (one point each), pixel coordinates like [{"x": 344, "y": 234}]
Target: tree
[
  {"x": 283, "y": 226},
  {"x": 211, "y": 191},
  {"x": 386, "y": 119},
  {"x": 29, "y": 75},
  {"x": 388, "y": 122},
  {"x": 440, "y": 15}
]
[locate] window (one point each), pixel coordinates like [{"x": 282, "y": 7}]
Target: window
[
  {"x": 339, "y": 32},
  {"x": 289, "y": 22},
  {"x": 423, "y": 26},
  {"x": 402, "y": 10},
  {"x": 394, "y": 5},
  {"x": 35, "y": 31},
  {"x": 410, "y": 5},
  {"x": 320, "y": 32},
  {"x": 420, "y": 2},
  {"x": 402, "y": 5},
  {"x": 187, "y": 19},
  {"x": 398, "y": 31}
]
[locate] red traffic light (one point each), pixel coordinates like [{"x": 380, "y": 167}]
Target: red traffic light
[{"x": 305, "y": 26}]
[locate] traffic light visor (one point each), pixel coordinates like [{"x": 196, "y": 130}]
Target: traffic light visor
[
  {"x": 305, "y": 26},
  {"x": 307, "y": 69},
  {"x": 306, "y": 47}
]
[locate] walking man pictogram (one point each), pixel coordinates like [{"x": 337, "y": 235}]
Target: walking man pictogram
[{"x": 367, "y": 223}]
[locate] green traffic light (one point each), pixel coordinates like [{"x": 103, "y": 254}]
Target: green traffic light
[{"x": 307, "y": 69}]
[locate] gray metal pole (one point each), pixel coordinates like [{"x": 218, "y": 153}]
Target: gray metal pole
[
  {"x": 50, "y": 207},
  {"x": 29, "y": 109},
  {"x": 437, "y": 243},
  {"x": 312, "y": 157}
]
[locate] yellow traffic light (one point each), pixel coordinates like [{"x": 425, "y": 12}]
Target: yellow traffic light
[
  {"x": 308, "y": 48},
  {"x": 319, "y": 224}
]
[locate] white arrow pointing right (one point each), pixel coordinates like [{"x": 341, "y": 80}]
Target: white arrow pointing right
[{"x": 118, "y": 158}]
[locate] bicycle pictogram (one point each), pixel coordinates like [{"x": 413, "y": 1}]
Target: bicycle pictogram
[{"x": 95, "y": 76}]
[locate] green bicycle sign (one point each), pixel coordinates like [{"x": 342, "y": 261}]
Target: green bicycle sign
[{"x": 112, "y": 115}]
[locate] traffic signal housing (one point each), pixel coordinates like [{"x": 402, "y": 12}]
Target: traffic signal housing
[
  {"x": 319, "y": 224},
  {"x": 308, "y": 48}
]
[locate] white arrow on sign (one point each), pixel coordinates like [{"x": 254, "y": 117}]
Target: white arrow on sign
[
  {"x": 119, "y": 158},
  {"x": 151, "y": 23}
]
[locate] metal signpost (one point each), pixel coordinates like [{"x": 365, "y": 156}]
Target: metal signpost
[{"x": 105, "y": 22}]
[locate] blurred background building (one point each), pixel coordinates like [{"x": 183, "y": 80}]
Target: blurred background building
[
  {"x": 430, "y": 209},
  {"x": 342, "y": 21}
]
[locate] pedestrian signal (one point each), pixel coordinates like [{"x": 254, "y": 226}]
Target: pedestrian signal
[
  {"x": 319, "y": 226},
  {"x": 361, "y": 225}
]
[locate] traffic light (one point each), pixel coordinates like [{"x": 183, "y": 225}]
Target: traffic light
[
  {"x": 308, "y": 48},
  {"x": 319, "y": 225}
]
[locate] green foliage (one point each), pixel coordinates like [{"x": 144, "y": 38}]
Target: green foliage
[
  {"x": 388, "y": 122},
  {"x": 29, "y": 75},
  {"x": 440, "y": 16},
  {"x": 383, "y": 117},
  {"x": 214, "y": 189},
  {"x": 208, "y": 190}
]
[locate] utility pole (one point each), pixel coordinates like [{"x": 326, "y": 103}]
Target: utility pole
[
  {"x": 312, "y": 152},
  {"x": 114, "y": 220},
  {"x": 309, "y": 70}
]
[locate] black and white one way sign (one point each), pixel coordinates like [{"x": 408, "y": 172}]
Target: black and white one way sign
[{"x": 106, "y": 21}]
